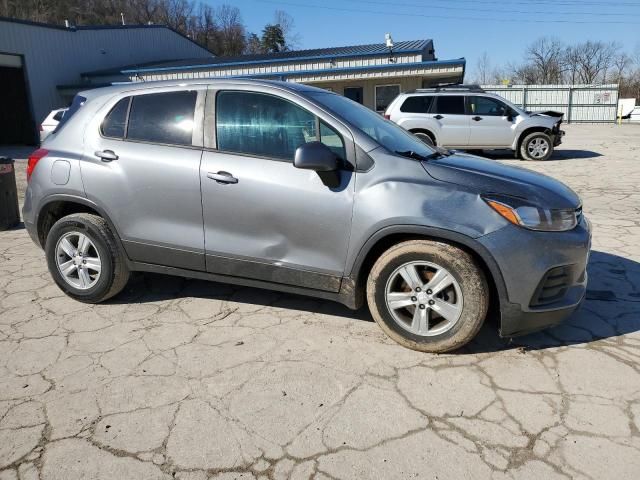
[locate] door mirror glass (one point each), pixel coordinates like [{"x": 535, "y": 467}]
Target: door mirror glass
[{"x": 315, "y": 156}]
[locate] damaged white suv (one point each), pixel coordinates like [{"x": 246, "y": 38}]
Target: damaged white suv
[{"x": 466, "y": 117}]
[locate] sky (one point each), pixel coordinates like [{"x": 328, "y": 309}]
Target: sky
[{"x": 459, "y": 28}]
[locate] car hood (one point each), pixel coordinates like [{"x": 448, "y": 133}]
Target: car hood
[{"x": 489, "y": 176}]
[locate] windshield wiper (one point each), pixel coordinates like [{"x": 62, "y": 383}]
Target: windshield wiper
[{"x": 417, "y": 156}]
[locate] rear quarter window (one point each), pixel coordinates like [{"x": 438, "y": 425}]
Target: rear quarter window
[
  {"x": 417, "y": 104},
  {"x": 76, "y": 104}
]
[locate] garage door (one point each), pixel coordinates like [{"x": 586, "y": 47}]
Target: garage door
[{"x": 16, "y": 120}]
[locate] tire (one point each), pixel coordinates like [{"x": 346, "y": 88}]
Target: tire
[
  {"x": 426, "y": 138},
  {"x": 99, "y": 284},
  {"x": 471, "y": 295},
  {"x": 528, "y": 150}
]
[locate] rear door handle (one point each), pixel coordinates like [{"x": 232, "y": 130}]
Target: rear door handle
[
  {"x": 438, "y": 117},
  {"x": 477, "y": 119},
  {"x": 106, "y": 155},
  {"x": 222, "y": 177}
]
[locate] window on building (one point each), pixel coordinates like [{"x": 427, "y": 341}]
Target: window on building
[
  {"x": 385, "y": 95},
  {"x": 261, "y": 124},
  {"x": 114, "y": 123},
  {"x": 354, "y": 93},
  {"x": 487, "y": 106},
  {"x": 163, "y": 117},
  {"x": 417, "y": 104},
  {"x": 450, "y": 104},
  {"x": 332, "y": 139}
]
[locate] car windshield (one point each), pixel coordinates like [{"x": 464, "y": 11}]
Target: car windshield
[{"x": 386, "y": 133}]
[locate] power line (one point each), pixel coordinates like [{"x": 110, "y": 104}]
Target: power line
[
  {"x": 452, "y": 17},
  {"x": 471, "y": 9},
  {"x": 577, "y": 3}
]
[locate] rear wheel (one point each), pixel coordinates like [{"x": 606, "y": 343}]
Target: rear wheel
[
  {"x": 84, "y": 259},
  {"x": 428, "y": 296},
  {"x": 426, "y": 138},
  {"x": 536, "y": 146}
]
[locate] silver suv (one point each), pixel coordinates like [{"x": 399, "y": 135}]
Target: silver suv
[
  {"x": 288, "y": 187},
  {"x": 468, "y": 118}
]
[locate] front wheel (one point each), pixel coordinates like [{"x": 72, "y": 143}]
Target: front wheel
[
  {"x": 536, "y": 146},
  {"x": 428, "y": 296},
  {"x": 426, "y": 138}
]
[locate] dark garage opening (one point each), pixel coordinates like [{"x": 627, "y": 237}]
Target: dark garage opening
[{"x": 16, "y": 120}]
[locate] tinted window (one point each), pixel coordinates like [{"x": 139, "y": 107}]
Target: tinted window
[
  {"x": 162, "y": 117},
  {"x": 332, "y": 139},
  {"x": 385, "y": 95},
  {"x": 262, "y": 125},
  {"x": 114, "y": 123},
  {"x": 451, "y": 104},
  {"x": 487, "y": 106},
  {"x": 420, "y": 104}
]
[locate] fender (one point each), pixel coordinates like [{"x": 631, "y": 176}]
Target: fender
[
  {"x": 436, "y": 234},
  {"x": 62, "y": 197}
]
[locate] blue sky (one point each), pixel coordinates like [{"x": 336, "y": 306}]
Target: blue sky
[{"x": 502, "y": 28}]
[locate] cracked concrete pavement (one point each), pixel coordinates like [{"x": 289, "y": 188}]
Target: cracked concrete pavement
[{"x": 194, "y": 380}]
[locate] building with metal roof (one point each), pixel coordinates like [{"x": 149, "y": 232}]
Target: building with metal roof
[
  {"x": 370, "y": 74},
  {"x": 41, "y": 65}
]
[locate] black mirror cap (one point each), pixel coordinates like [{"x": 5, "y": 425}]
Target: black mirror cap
[{"x": 315, "y": 156}]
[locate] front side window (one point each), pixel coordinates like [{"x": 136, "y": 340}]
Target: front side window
[
  {"x": 417, "y": 104},
  {"x": 487, "y": 106},
  {"x": 114, "y": 124},
  {"x": 162, "y": 117},
  {"x": 385, "y": 95},
  {"x": 450, "y": 104},
  {"x": 262, "y": 125}
]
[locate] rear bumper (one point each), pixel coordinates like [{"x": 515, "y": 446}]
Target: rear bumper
[{"x": 525, "y": 258}]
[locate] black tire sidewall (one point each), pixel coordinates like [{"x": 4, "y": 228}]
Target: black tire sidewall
[
  {"x": 66, "y": 225},
  {"x": 426, "y": 138},
  {"x": 524, "y": 153}
]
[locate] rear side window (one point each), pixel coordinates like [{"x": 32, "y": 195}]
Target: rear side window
[
  {"x": 78, "y": 101},
  {"x": 115, "y": 122},
  {"x": 451, "y": 104},
  {"x": 262, "y": 125},
  {"x": 419, "y": 104},
  {"x": 162, "y": 117}
]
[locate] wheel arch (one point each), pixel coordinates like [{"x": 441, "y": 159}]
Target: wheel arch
[
  {"x": 392, "y": 235},
  {"x": 528, "y": 131},
  {"x": 426, "y": 132},
  {"x": 55, "y": 207}
]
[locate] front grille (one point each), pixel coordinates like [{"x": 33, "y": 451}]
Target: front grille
[{"x": 553, "y": 286}]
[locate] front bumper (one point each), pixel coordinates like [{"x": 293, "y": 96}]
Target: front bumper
[
  {"x": 557, "y": 137},
  {"x": 525, "y": 259}
]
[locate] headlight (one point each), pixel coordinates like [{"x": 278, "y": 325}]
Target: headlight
[{"x": 533, "y": 217}]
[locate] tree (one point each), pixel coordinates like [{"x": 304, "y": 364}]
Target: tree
[
  {"x": 287, "y": 25},
  {"x": 273, "y": 39},
  {"x": 483, "y": 69},
  {"x": 544, "y": 59},
  {"x": 253, "y": 45},
  {"x": 231, "y": 31}
]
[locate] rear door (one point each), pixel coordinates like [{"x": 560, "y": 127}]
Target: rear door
[
  {"x": 490, "y": 124},
  {"x": 142, "y": 166},
  {"x": 264, "y": 218},
  {"x": 453, "y": 123}
]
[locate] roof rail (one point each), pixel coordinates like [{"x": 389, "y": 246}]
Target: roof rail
[{"x": 453, "y": 87}]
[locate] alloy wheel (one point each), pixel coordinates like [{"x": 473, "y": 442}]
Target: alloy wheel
[{"x": 78, "y": 260}]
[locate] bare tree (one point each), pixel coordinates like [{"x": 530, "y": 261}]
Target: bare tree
[
  {"x": 287, "y": 25},
  {"x": 592, "y": 60},
  {"x": 545, "y": 58},
  {"x": 483, "y": 69}
]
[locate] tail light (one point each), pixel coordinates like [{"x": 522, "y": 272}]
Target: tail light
[
  {"x": 34, "y": 158},
  {"x": 387, "y": 116}
]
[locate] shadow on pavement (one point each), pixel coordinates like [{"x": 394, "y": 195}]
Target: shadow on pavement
[
  {"x": 611, "y": 309},
  {"x": 560, "y": 154}
]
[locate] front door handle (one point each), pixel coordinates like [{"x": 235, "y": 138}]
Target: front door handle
[
  {"x": 106, "y": 155},
  {"x": 477, "y": 119},
  {"x": 222, "y": 177},
  {"x": 438, "y": 117}
]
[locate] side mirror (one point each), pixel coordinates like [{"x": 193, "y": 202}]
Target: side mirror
[{"x": 315, "y": 156}]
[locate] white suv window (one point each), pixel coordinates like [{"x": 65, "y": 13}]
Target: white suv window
[
  {"x": 487, "y": 106},
  {"x": 450, "y": 104},
  {"x": 417, "y": 104}
]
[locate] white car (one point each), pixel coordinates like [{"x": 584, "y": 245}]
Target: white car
[
  {"x": 468, "y": 118},
  {"x": 51, "y": 122}
]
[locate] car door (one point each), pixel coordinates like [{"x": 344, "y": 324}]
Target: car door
[
  {"x": 490, "y": 123},
  {"x": 142, "y": 166},
  {"x": 263, "y": 218},
  {"x": 453, "y": 124}
]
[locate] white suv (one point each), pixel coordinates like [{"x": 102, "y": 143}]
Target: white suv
[{"x": 467, "y": 117}]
